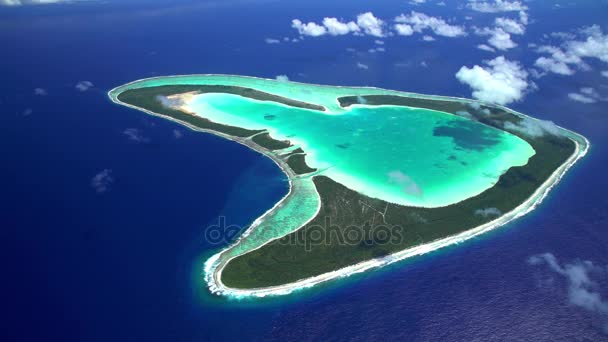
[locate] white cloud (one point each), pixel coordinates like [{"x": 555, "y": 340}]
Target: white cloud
[
  {"x": 136, "y": 135},
  {"x": 581, "y": 98},
  {"x": 553, "y": 65},
  {"x": 496, "y": 6},
  {"x": 420, "y": 22},
  {"x": 378, "y": 42},
  {"x": 594, "y": 46},
  {"x": 169, "y": 102},
  {"x": 605, "y": 73},
  {"x": 338, "y": 28},
  {"x": 586, "y": 95},
  {"x": 378, "y": 49},
  {"x": 282, "y": 78},
  {"x": 533, "y": 127},
  {"x": 498, "y": 38},
  {"x": 362, "y": 66},
  {"x": 486, "y": 212},
  {"x": 272, "y": 41},
  {"x": 428, "y": 38},
  {"x": 407, "y": 184},
  {"x": 331, "y": 26},
  {"x": 570, "y": 55},
  {"x": 370, "y": 24},
  {"x": 101, "y": 182},
  {"x": 84, "y": 85},
  {"x": 583, "y": 291},
  {"x": 485, "y": 48},
  {"x": 501, "y": 40},
  {"x": 510, "y": 25},
  {"x": 40, "y": 92},
  {"x": 499, "y": 81},
  {"x": 404, "y": 29},
  {"x": 310, "y": 29},
  {"x": 417, "y": 2},
  {"x": 177, "y": 134}
]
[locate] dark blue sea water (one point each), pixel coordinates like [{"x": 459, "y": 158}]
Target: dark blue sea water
[{"x": 124, "y": 264}]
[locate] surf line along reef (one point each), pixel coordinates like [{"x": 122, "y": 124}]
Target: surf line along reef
[{"x": 375, "y": 175}]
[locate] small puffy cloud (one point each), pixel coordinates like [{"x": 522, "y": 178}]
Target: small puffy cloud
[
  {"x": 510, "y": 25},
  {"x": 378, "y": 49},
  {"x": 362, "y": 66},
  {"x": 272, "y": 41},
  {"x": 404, "y": 29},
  {"x": 578, "y": 97},
  {"x": 370, "y": 24},
  {"x": 40, "y": 92},
  {"x": 311, "y": 29},
  {"x": 337, "y": 28},
  {"x": 595, "y": 45},
  {"x": 582, "y": 290},
  {"x": 84, "y": 85},
  {"x": 379, "y": 42},
  {"x": 282, "y": 78},
  {"x": 499, "y": 39},
  {"x": 553, "y": 65},
  {"x": 136, "y": 135},
  {"x": 366, "y": 23},
  {"x": 407, "y": 184},
  {"x": 533, "y": 127},
  {"x": 331, "y": 26},
  {"x": 605, "y": 73},
  {"x": 101, "y": 182},
  {"x": 497, "y": 6},
  {"x": 417, "y": 2},
  {"x": 27, "y": 112},
  {"x": 485, "y": 48},
  {"x": 586, "y": 95},
  {"x": 563, "y": 60},
  {"x": 167, "y": 102},
  {"x": 498, "y": 81},
  {"x": 177, "y": 134},
  {"x": 488, "y": 212},
  {"x": 420, "y": 22},
  {"x": 428, "y": 38}
]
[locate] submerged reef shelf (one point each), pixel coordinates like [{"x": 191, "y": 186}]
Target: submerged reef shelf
[{"x": 375, "y": 175}]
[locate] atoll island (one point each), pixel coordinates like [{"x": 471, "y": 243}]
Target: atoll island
[{"x": 375, "y": 175}]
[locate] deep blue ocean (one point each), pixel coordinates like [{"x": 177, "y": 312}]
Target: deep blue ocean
[{"x": 124, "y": 264}]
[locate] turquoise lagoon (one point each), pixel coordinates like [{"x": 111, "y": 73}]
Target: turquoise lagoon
[
  {"x": 403, "y": 155},
  {"x": 408, "y": 156}
]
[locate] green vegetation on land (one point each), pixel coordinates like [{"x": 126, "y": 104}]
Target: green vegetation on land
[
  {"x": 297, "y": 162},
  {"x": 267, "y": 142},
  {"x": 298, "y": 255}
]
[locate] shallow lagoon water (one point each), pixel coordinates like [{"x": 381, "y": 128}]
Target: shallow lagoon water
[{"x": 409, "y": 156}]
